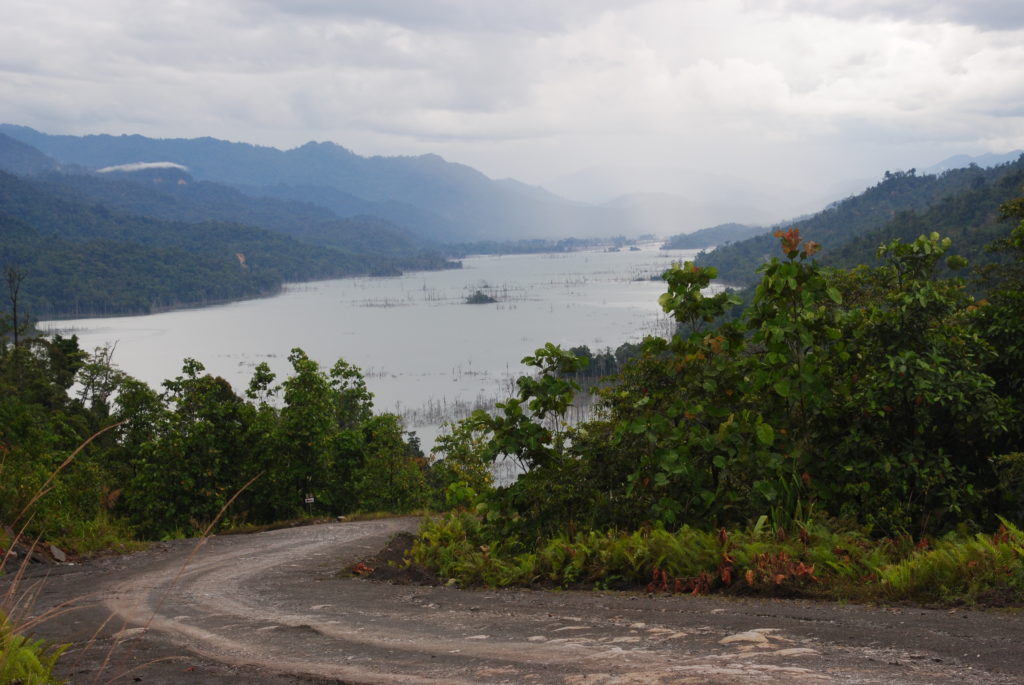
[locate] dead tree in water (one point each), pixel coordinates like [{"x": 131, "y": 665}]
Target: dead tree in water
[{"x": 14, "y": 278}]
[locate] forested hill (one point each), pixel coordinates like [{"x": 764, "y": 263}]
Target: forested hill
[
  {"x": 174, "y": 195},
  {"x": 82, "y": 258},
  {"x": 971, "y": 218},
  {"x": 961, "y": 203}
]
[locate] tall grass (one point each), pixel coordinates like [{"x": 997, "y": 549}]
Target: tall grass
[{"x": 22, "y": 659}]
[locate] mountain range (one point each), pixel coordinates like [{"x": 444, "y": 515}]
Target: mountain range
[{"x": 434, "y": 199}]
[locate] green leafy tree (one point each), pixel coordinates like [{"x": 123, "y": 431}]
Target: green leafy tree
[
  {"x": 1000, "y": 319},
  {"x": 198, "y": 458},
  {"x": 354, "y": 400},
  {"x": 530, "y": 429},
  {"x": 920, "y": 415},
  {"x": 460, "y": 469},
  {"x": 39, "y": 427},
  {"x": 797, "y": 347},
  {"x": 308, "y": 433},
  {"x": 392, "y": 476}
]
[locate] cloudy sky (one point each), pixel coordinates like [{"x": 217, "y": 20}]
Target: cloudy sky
[{"x": 794, "y": 98}]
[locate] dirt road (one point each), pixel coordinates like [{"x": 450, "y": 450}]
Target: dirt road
[{"x": 269, "y": 608}]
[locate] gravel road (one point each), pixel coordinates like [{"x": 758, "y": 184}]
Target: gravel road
[{"x": 270, "y": 608}]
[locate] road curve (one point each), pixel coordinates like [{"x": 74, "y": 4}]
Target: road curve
[{"x": 270, "y": 608}]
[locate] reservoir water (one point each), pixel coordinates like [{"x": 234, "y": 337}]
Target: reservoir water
[{"x": 426, "y": 354}]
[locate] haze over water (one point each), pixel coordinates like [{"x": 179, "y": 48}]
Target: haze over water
[{"x": 425, "y": 353}]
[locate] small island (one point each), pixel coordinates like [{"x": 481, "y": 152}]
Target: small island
[{"x": 480, "y": 297}]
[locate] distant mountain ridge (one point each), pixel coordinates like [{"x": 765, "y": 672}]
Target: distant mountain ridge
[
  {"x": 713, "y": 236},
  {"x": 385, "y": 214},
  {"x": 82, "y": 260},
  {"x": 19, "y": 158},
  {"x": 439, "y": 200},
  {"x": 985, "y": 161}
]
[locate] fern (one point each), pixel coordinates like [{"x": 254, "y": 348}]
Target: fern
[{"x": 29, "y": 662}]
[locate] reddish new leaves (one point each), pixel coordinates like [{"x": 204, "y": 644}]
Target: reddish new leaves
[{"x": 791, "y": 243}]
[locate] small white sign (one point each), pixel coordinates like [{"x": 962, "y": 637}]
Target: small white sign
[{"x": 310, "y": 499}]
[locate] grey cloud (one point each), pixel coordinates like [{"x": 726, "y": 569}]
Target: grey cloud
[
  {"x": 534, "y": 88},
  {"x": 989, "y": 15}
]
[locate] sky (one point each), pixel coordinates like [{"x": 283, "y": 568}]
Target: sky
[{"x": 787, "y": 102}]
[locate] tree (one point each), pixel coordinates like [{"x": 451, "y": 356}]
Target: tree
[
  {"x": 461, "y": 457},
  {"x": 308, "y": 432},
  {"x": 1000, "y": 318},
  {"x": 392, "y": 476},
  {"x": 198, "y": 459},
  {"x": 920, "y": 415}
]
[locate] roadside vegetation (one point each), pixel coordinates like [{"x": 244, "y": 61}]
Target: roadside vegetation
[
  {"x": 808, "y": 560},
  {"x": 854, "y": 433}
]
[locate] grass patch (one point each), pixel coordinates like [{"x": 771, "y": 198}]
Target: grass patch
[{"x": 101, "y": 534}]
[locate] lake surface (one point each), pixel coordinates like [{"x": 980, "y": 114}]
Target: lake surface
[{"x": 426, "y": 354}]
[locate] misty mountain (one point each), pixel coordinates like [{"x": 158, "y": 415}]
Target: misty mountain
[
  {"x": 985, "y": 161},
  {"x": 713, "y": 236},
  {"x": 704, "y": 197},
  {"x": 436, "y": 199},
  {"x": 344, "y": 204},
  {"x": 667, "y": 214}
]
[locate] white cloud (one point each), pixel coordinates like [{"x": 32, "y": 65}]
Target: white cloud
[{"x": 142, "y": 166}]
